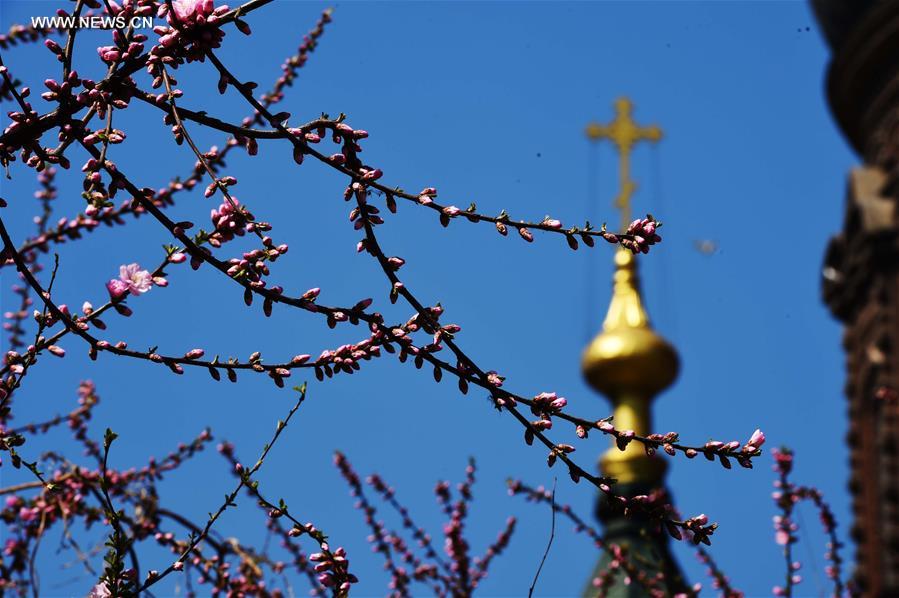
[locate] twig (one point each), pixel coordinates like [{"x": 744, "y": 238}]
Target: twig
[{"x": 552, "y": 535}]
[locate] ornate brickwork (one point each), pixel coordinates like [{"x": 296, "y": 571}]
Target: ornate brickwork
[{"x": 861, "y": 286}]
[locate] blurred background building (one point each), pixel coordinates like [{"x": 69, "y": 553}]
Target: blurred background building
[{"x": 860, "y": 275}]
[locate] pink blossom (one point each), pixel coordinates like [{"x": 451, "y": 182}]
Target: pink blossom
[
  {"x": 187, "y": 10},
  {"x": 99, "y": 591},
  {"x": 26, "y": 514},
  {"x": 495, "y": 379},
  {"x": 138, "y": 281}
]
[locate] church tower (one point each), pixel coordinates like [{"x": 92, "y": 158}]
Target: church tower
[
  {"x": 630, "y": 364},
  {"x": 861, "y": 273}
]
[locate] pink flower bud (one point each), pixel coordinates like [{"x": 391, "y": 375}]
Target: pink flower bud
[
  {"x": 117, "y": 289},
  {"x": 559, "y": 403},
  {"x": 757, "y": 439}
]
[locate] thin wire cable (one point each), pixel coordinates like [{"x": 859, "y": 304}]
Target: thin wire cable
[
  {"x": 592, "y": 197},
  {"x": 668, "y": 307},
  {"x": 809, "y": 552}
]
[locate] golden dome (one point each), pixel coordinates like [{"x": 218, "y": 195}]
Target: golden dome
[
  {"x": 628, "y": 362},
  {"x": 628, "y": 356}
]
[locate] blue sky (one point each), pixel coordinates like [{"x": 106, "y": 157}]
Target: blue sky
[{"x": 487, "y": 102}]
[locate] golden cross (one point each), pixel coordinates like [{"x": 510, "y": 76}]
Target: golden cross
[{"x": 624, "y": 133}]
